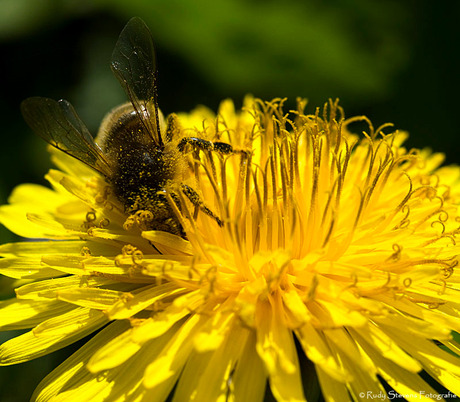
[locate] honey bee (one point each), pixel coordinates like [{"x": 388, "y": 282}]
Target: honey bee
[{"x": 136, "y": 152}]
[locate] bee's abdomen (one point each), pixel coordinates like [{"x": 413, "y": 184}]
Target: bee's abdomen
[{"x": 140, "y": 175}]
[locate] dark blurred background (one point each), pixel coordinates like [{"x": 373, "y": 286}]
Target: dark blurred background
[{"x": 393, "y": 61}]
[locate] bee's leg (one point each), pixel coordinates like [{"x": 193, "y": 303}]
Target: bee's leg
[
  {"x": 169, "y": 222},
  {"x": 204, "y": 145},
  {"x": 172, "y": 127},
  {"x": 223, "y": 148},
  {"x": 195, "y": 199}
]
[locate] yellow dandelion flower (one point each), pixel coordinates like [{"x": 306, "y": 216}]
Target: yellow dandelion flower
[
  {"x": 306, "y": 255},
  {"x": 344, "y": 244}
]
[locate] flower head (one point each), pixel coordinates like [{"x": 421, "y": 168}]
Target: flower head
[{"x": 306, "y": 243}]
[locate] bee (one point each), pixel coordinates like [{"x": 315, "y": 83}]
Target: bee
[{"x": 136, "y": 152}]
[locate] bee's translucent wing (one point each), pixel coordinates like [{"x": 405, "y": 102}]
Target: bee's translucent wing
[
  {"x": 134, "y": 65},
  {"x": 58, "y": 124}
]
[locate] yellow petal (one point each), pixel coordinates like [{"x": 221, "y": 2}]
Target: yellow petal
[
  {"x": 120, "y": 236},
  {"x": 51, "y": 335},
  {"x": 114, "y": 353},
  {"x": 72, "y": 374},
  {"x": 172, "y": 244},
  {"x": 296, "y": 307},
  {"x": 414, "y": 326},
  {"x": 426, "y": 351},
  {"x": 275, "y": 346},
  {"x": 164, "y": 320},
  {"x": 21, "y": 314},
  {"x": 38, "y": 248},
  {"x": 362, "y": 379},
  {"x": 93, "y": 298},
  {"x": 249, "y": 378},
  {"x": 216, "y": 329},
  {"x": 72, "y": 381},
  {"x": 379, "y": 341},
  {"x": 168, "y": 365},
  {"x": 318, "y": 351},
  {"x": 70, "y": 323},
  {"x": 46, "y": 289},
  {"x": 83, "y": 265},
  {"x": 406, "y": 383},
  {"x": 138, "y": 300},
  {"x": 448, "y": 380},
  {"x": 206, "y": 376},
  {"x": 333, "y": 390},
  {"x": 26, "y": 268},
  {"x": 344, "y": 344}
]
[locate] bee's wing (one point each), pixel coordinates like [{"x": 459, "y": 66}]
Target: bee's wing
[
  {"x": 134, "y": 65},
  {"x": 58, "y": 124}
]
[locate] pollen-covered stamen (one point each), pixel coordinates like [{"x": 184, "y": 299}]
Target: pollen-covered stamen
[
  {"x": 309, "y": 186},
  {"x": 140, "y": 219}
]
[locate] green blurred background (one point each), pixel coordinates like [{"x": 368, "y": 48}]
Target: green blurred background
[{"x": 394, "y": 61}]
